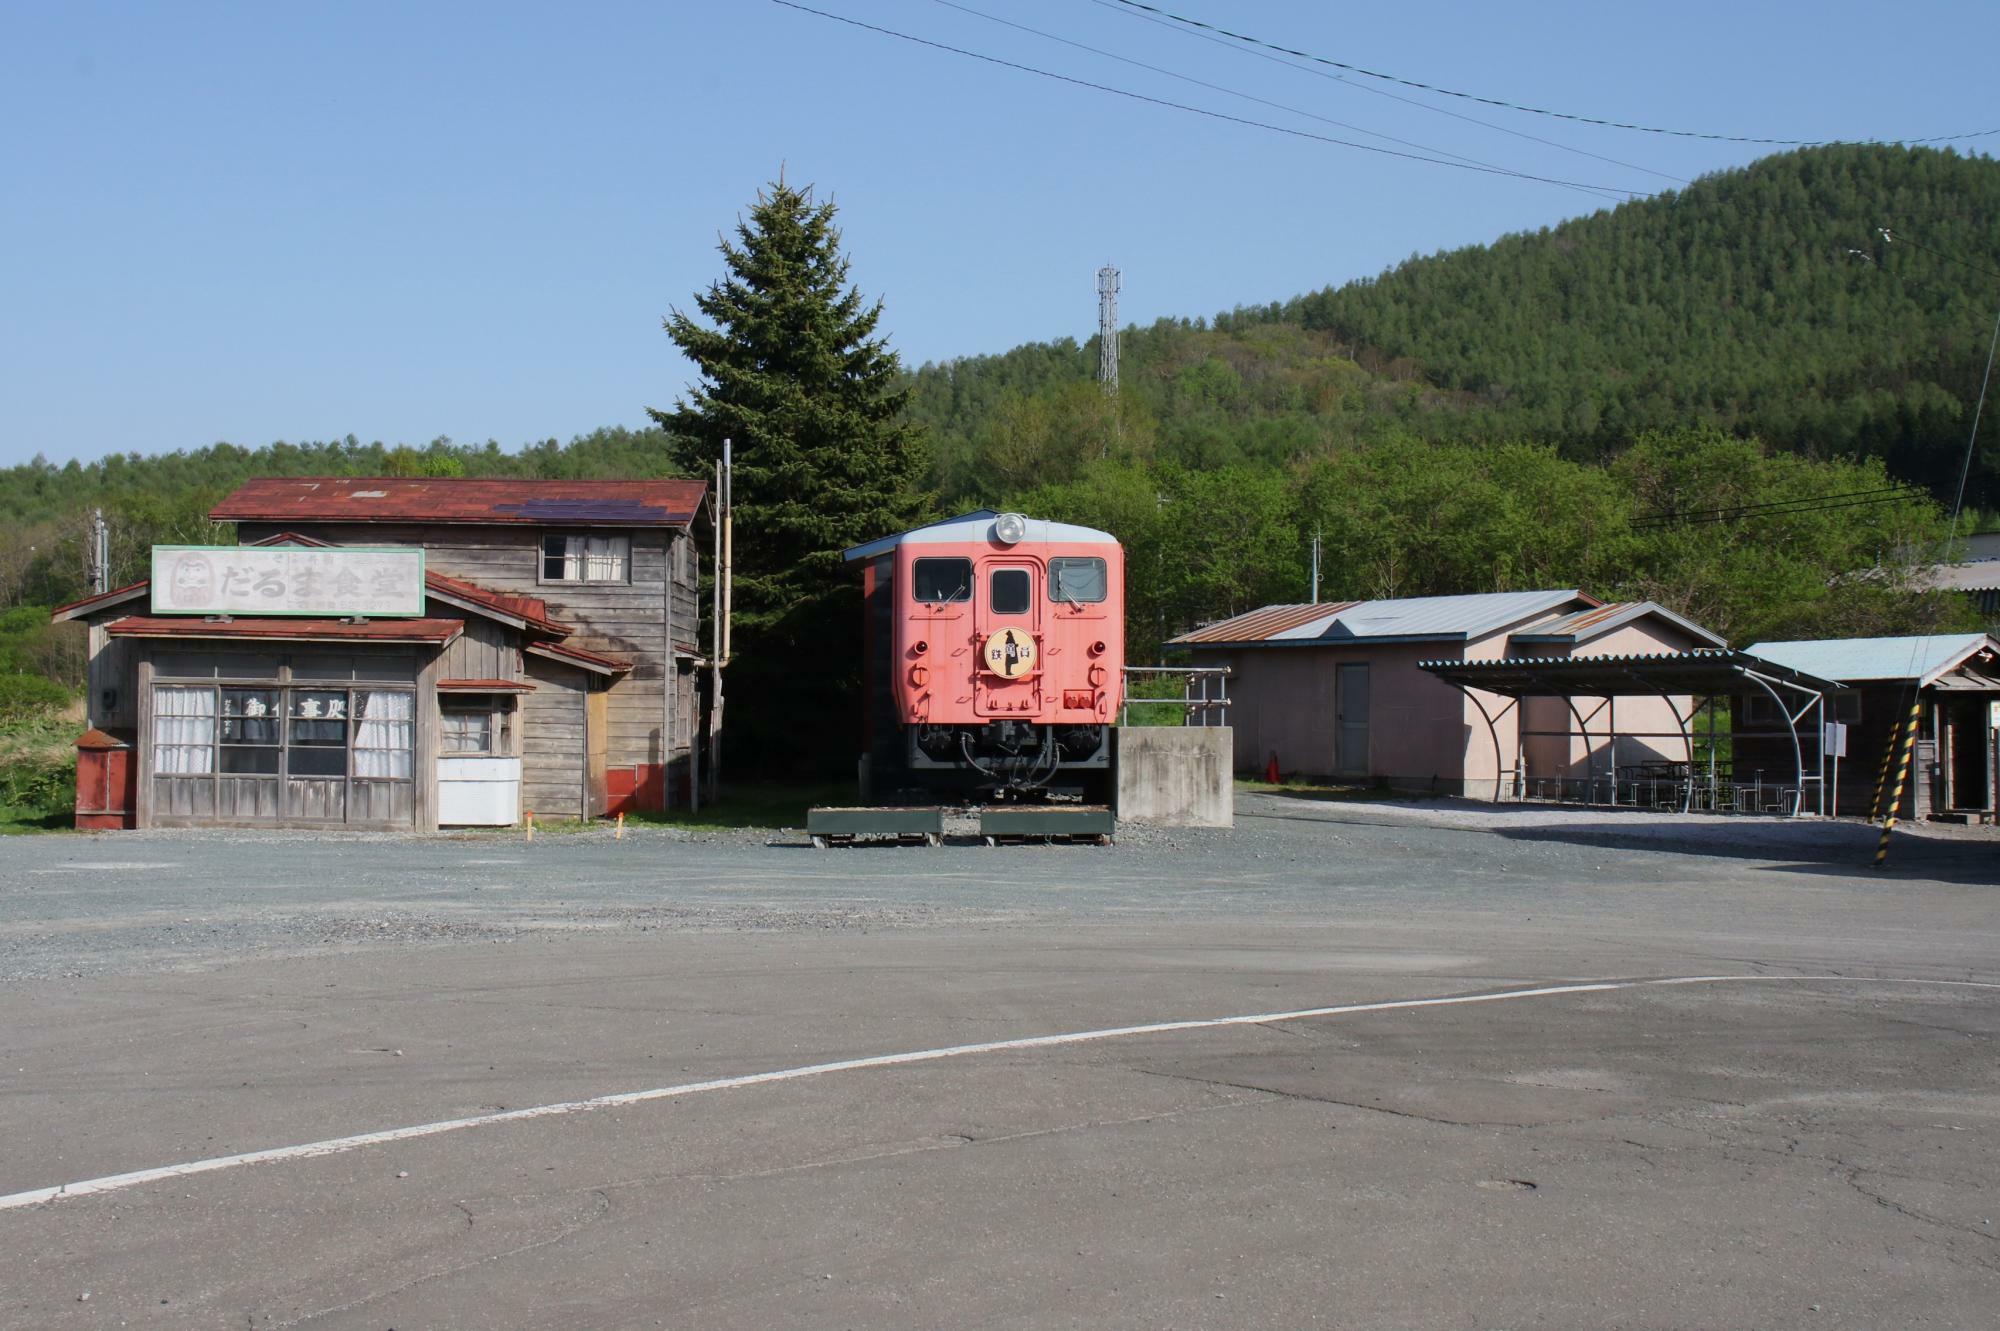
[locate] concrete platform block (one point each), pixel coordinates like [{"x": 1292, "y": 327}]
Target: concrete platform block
[{"x": 1172, "y": 776}]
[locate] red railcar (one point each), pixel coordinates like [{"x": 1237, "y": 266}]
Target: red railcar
[{"x": 996, "y": 654}]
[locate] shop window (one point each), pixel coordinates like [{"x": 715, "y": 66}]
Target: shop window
[
  {"x": 383, "y": 739},
  {"x": 1010, "y": 592},
  {"x": 183, "y": 730},
  {"x": 1078, "y": 580},
  {"x": 203, "y": 730},
  {"x": 941, "y": 580},
  {"x": 586, "y": 558},
  {"x": 319, "y": 733},
  {"x": 467, "y": 731}
]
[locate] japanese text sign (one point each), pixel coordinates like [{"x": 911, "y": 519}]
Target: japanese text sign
[{"x": 287, "y": 580}]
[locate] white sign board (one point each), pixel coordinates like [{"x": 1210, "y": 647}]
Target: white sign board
[
  {"x": 287, "y": 580},
  {"x": 1836, "y": 739}
]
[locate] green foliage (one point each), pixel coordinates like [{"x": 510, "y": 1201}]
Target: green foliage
[
  {"x": 794, "y": 373},
  {"x": 37, "y": 762},
  {"x": 25, "y": 696}
]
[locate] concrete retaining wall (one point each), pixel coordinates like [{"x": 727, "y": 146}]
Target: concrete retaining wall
[{"x": 1176, "y": 777}]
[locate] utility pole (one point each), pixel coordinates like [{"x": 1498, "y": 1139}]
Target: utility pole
[
  {"x": 1316, "y": 532},
  {"x": 1108, "y": 282},
  {"x": 100, "y": 552},
  {"x": 720, "y": 506}
]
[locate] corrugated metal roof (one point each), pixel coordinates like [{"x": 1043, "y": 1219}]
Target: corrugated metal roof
[
  {"x": 581, "y": 656},
  {"x": 1707, "y": 670},
  {"x": 1583, "y": 625},
  {"x": 1261, "y": 624},
  {"x": 1866, "y": 660},
  {"x": 651, "y": 503},
  {"x": 970, "y": 528},
  {"x": 1409, "y": 617}
]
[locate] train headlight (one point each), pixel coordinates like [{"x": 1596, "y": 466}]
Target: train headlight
[{"x": 1009, "y": 528}]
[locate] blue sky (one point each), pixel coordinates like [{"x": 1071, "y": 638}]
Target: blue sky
[{"x": 303, "y": 221}]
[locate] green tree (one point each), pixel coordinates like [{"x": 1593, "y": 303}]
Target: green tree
[{"x": 796, "y": 375}]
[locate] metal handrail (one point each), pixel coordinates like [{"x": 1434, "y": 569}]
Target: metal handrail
[{"x": 1197, "y": 709}]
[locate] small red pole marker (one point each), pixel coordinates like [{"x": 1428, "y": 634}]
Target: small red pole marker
[
  {"x": 531, "y": 826},
  {"x": 619, "y": 835}
]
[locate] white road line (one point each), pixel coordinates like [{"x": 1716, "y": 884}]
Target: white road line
[{"x": 340, "y": 1145}]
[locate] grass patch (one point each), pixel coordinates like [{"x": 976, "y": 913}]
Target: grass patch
[{"x": 1300, "y": 788}]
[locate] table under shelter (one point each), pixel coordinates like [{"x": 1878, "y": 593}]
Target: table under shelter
[{"x": 1682, "y": 768}]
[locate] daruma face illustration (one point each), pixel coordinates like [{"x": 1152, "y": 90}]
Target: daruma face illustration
[{"x": 193, "y": 583}]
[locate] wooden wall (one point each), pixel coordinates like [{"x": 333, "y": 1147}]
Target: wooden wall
[
  {"x": 553, "y": 740},
  {"x": 485, "y": 650},
  {"x": 626, "y": 619}
]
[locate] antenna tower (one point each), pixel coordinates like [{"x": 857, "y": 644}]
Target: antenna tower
[{"x": 1108, "y": 282}]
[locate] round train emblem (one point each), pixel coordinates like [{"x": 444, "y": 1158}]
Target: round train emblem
[{"x": 1009, "y": 653}]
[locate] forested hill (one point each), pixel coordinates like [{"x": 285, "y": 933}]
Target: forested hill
[
  {"x": 1520, "y": 414},
  {"x": 1739, "y": 302}
]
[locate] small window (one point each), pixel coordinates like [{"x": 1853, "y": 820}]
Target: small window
[
  {"x": 941, "y": 580},
  {"x": 467, "y": 731},
  {"x": 1078, "y": 580},
  {"x": 1011, "y": 592},
  {"x": 1844, "y": 707},
  {"x": 586, "y": 558}
]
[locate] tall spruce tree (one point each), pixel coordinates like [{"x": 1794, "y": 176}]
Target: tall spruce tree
[{"x": 794, "y": 373}]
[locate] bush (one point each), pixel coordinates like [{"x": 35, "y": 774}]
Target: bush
[
  {"x": 38, "y": 787},
  {"x": 23, "y": 696}
]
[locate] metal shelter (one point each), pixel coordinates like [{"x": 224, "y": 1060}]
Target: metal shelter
[{"x": 1704, "y": 673}]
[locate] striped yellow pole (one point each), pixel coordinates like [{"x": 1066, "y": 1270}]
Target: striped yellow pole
[
  {"x": 1882, "y": 777},
  {"x": 1902, "y": 778}
]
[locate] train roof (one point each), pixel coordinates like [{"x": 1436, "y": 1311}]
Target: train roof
[{"x": 969, "y": 528}]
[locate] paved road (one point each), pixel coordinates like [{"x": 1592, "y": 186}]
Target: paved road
[{"x": 1760, "y": 1153}]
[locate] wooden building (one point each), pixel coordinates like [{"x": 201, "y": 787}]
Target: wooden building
[
  {"x": 546, "y": 665},
  {"x": 1340, "y": 689}
]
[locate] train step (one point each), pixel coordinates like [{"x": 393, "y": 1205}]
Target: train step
[
  {"x": 916, "y": 826},
  {"x": 1091, "y": 823}
]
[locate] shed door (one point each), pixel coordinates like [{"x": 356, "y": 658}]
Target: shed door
[
  {"x": 1007, "y": 623},
  {"x": 1351, "y": 720}
]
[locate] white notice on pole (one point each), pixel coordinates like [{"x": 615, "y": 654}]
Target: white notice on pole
[{"x": 1836, "y": 739}]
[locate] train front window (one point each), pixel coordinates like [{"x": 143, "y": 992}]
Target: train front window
[
  {"x": 1077, "y": 580},
  {"x": 1009, "y": 593},
  {"x": 941, "y": 580}
]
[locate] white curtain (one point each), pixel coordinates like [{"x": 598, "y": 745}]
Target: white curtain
[
  {"x": 382, "y": 740},
  {"x": 183, "y": 730},
  {"x": 595, "y": 558}
]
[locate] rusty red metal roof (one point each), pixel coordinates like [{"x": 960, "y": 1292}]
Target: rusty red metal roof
[
  {"x": 582, "y": 656},
  {"x": 103, "y": 739},
  {"x": 652, "y": 503},
  {"x": 1257, "y": 625},
  {"x": 530, "y": 608},
  {"x": 295, "y": 630},
  {"x": 485, "y": 686},
  {"x": 83, "y": 605}
]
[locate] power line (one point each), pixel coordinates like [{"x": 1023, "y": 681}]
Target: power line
[
  {"x": 1348, "y": 83},
  {"x": 1779, "y": 508},
  {"x": 1896, "y": 238},
  {"x": 1204, "y": 111},
  {"x": 1593, "y": 191},
  {"x": 1517, "y": 106}
]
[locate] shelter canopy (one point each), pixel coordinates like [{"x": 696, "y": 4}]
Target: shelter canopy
[{"x": 1705, "y": 672}]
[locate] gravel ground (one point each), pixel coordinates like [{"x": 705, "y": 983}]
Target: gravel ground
[{"x": 131, "y": 902}]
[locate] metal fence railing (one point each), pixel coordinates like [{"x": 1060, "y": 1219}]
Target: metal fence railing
[{"x": 1204, "y": 699}]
